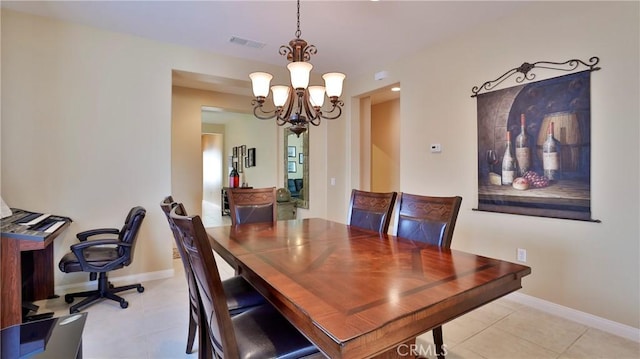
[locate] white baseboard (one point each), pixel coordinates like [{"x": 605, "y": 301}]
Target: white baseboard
[
  {"x": 133, "y": 278},
  {"x": 606, "y": 325}
]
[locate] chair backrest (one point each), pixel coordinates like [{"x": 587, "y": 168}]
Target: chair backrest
[
  {"x": 129, "y": 232},
  {"x": 252, "y": 205},
  {"x": 427, "y": 219},
  {"x": 167, "y": 205},
  {"x": 195, "y": 242},
  {"x": 126, "y": 225},
  {"x": 371, "y": 210}
]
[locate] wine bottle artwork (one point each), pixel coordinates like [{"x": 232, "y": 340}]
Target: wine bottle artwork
[
  {"x": 523, "y": 149},
  {"x": 539, "y": 134},
  {"x": 508, "y": 163},
  {"x": 550, "y": 156}
]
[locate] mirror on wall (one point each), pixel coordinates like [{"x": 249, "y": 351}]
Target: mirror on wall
[{"x": 296, "y": 167}]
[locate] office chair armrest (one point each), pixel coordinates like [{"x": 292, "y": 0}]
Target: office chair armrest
[
  {"x": 82, "y": 236},
  {"x": 78, "y": 250}
]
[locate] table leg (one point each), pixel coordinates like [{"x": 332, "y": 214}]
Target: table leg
[{"x": 438, "y": 340}]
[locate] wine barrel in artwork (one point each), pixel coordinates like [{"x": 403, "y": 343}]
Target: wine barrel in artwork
[{"x": 566, "y": 129}]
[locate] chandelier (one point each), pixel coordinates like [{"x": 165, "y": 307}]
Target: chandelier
[{"x": 298, "y": 104}]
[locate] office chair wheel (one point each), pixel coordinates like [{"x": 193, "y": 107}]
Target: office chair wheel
[
  {"x": 140, "y": 289},
  {"x": 68, "y": 299},
  {"x": 124, "y": 304}
]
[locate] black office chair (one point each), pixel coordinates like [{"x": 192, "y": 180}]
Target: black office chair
[
  {"x": 252, "y": 205},
  {"x": 240, "y": 294},
  {"x": 102, "y": 256},
  {"x": 260, "y": 332},
  {"x": 371, "y": 210},
  {"x": 430, "y": 220}
]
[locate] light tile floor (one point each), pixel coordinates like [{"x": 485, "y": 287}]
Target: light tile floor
[{"x": 155, "y": 326}]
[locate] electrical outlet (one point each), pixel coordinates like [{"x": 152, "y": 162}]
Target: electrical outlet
[{"x": 521, "y": 255}]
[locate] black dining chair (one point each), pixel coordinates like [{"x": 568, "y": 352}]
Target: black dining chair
[
  {"x": 97, "y": 254},
  {"x": 252, "y": 205},
  {"x": 430, "y": 220},
  {"x": 371, "y": 210},
  {"x": 240, "y": 295},
  {"x": 257, "y": 333}
]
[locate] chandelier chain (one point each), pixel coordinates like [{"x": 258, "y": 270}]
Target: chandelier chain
[{"x": 298, "y": 32}]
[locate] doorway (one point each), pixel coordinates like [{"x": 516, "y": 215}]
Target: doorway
[
  {"x": 212, "y": 177},
  {"x": 385, "y": 146},
  {"x": 380, "y": 140}
]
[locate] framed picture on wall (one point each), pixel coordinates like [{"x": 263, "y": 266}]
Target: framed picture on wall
[
  {"x": 291, "y": 167},
  {"x": 235, "y": 152},
  {"x": 534, "y": 148},
  {"x": 291, "y": 151},
  {"x": 243, "y": 150},
  {"x": 252, "y": 157}
]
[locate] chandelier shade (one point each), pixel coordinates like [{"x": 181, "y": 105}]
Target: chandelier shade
[
  {"x": 260, "y": 82},
  {"x": 333, "y": 82},
  {"x": 280, "y": 95},
  {"x": 298, "y": 104},
  {"x": 316, "y": 95},
  {"x": 300, "y": 72}
]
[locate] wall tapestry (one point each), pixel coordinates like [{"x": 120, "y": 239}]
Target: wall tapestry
[{"x": 534, "y": 149}]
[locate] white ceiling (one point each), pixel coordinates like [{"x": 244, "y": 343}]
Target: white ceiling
[
  {"x": 351, "y": 36},
  {"x": 354, "y": 37}
]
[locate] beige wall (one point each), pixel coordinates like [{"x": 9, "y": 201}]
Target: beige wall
[
  {"x": 91, "y": 114},
  {"x": 87, "y": 130},
  {"x": 591, "y": 267},
  {"x": 385, "y": 146}
]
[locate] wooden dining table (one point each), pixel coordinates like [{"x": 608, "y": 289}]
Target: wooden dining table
[{"x": 356, "y": 293}]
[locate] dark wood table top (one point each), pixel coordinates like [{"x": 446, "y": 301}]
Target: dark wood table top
[{"x": 355, "y": 293}]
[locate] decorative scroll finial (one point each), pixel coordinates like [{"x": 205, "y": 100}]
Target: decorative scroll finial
[{"x": 525, "y": 72}]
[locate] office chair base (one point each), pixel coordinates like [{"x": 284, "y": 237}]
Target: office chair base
[{"x": 105, "y": 290}]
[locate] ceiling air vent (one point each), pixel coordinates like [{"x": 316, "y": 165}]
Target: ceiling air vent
[{"x": 244, "y": 42}]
